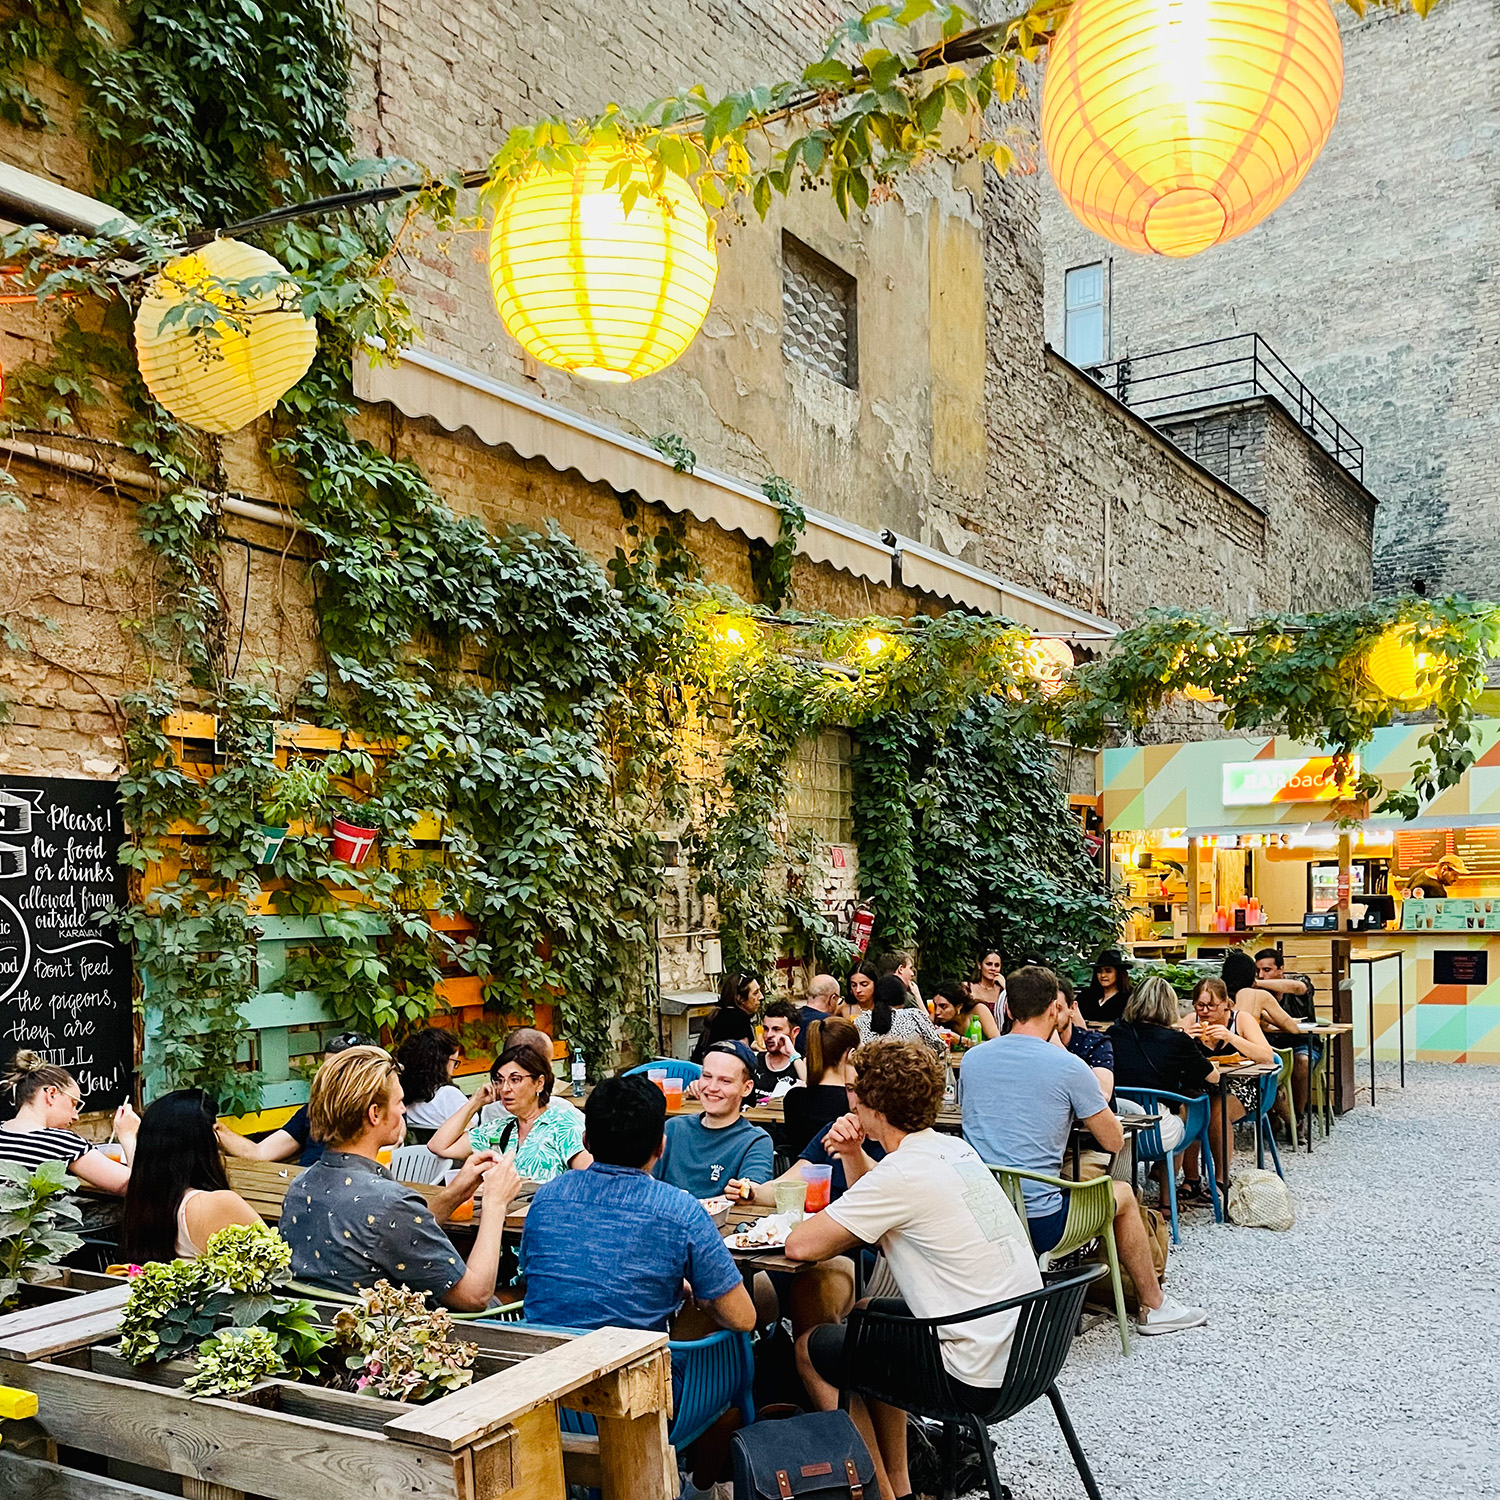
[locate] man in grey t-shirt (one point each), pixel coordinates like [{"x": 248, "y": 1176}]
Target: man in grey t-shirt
[
  {"x": 706, "y": 1152},
  {"x": 1020, "y": 1094}
]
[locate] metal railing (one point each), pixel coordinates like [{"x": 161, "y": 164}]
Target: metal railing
[{"x": 1172, "y": 382}]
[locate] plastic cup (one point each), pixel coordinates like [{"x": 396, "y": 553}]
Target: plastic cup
[
  {"x": 463, "y": 1212},
  {"x": 819, "y": 1182},
  {"x": 791, "y": 1198},
  {"x": 672, "y": 1088},
  {"x": 658, "y": 1076},
  {"x": 383, "y": 1156}
]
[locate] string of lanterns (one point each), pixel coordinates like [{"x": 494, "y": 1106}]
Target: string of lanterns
[{"x": 1169, "y": 126}]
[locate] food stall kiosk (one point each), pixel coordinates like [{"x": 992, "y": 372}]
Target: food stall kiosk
[{"x": 1248, "y": 842}]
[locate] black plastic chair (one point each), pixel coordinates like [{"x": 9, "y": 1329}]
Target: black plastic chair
[{"x": 899, "y": 1361}]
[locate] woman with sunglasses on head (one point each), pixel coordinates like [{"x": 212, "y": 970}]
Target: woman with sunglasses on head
[
  {"x": 734, "y": 1021},
  {"x": 545, "y": 1134},
  {"x": 178, "y": 1194},
  {"x": 45, "y": 1101}
]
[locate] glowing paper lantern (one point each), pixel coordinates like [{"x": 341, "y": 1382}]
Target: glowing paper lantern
[
  {"x": 1172, "y": 125},
  {"x": 1200, "y": 694},
  {"x": 1048, "y": 662},
  {"x": 224, "y": 380},
  {"x": 583, "y": 285},
  {"x": 1395, "y": 665}
]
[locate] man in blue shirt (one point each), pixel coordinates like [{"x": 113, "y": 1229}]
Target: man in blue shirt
[
  {"x": 612, "y": 1246},
  {"x": 705, "y": 1152},
  {"x": 1020, "y": 1095}
]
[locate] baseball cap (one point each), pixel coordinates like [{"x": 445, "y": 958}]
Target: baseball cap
[{"x": 739, "y": 1050}]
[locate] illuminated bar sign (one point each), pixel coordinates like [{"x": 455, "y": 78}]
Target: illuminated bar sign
[{"x": 1259, "y": 783}]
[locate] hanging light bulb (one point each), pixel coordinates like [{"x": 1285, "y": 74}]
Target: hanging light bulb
[
  {"x": 1173, "y": 125},
  {"x": 585, "y": 286},
  {"x": 220, "y": 378}
]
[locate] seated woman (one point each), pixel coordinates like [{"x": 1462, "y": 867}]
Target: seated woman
[
  {"x": 960, "y": 1011},
  {"x": 806, "y": 1110},
  {"x": 546, "y": 1136},
  {"x": 46, "y": 1100},
  {"x": 1103, "y": 999},
  {"x": 734, "y": 1021},
  {"x": 987, "y": 983},
  {"x": 1222, "y": 1029},
  {"x": 887, "y": 1014},
  {"x": 428, "y": 1058},
  {"x": 1240, "y": 980},
  {"x": 178, "y": 1193},
  {"x": 1151, "y": 1052}
]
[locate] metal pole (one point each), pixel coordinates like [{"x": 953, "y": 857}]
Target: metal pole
[
  {"x": 1370, "y": 980},
  {"x": 1401, "y": 1010}
]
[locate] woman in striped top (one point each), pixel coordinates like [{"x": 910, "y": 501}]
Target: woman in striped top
[{"x": 46, "y": 1100}]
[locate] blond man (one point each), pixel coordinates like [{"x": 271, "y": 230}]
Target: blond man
[{"x": 350, "y": 1223}]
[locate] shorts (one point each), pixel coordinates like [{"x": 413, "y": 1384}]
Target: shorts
[
  {"x": 825, "y": 1349},
  {"x": 1047, "y": 1230}
]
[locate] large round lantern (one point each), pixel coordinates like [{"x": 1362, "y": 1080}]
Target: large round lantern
[
  {"x": 1172, "y": 125},
  {"x": 222, "y": 380},
  {"x": 1047, "y": 662},
  {"x": 585, "y": 286},
  {"x": 1397, "y": 667}
]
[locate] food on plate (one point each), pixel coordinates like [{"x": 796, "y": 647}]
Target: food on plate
[{"x": 768, "y": 1233}]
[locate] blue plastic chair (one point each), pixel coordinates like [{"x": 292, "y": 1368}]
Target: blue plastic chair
[
  {"x": 675, "y": 1067},
  {"x": 1265, "y": 1131},
  {"x": 1149, "y": 1146},
  {"x": 713, "y": 1374}
]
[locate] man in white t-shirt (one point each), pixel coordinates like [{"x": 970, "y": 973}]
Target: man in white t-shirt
[{"x": 946, "y": 1227}]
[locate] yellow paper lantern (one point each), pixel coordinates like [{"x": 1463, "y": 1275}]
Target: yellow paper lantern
[
  {"x": 1200, "y": 694},
  {"x": 1173, "y": 125},
  {"x": 1395, "y": 665},
  {"x": 224, "y": 380},
  {"x": 582, "y": 285},
  {"x": 1048, "y": 661}
]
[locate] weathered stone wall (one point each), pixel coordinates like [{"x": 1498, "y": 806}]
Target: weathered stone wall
[
  {"x": 1090, "y": 505},
  {"x": 1376, "y": 281}
]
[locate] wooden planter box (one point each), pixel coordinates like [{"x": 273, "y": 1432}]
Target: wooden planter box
[{"x": 107, "y": 1431}]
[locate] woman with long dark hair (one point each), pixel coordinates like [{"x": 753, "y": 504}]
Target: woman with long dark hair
[
  {"x": 862, "y": 979},
  {"x": 890, "y": 1014},
  {"x": 956, "y": 1008},
  {"x": 428, "y": 1058},
  {"x": 1105, "y": 996},
  {"x": 734, "y": 1021},
  {"x": 178, "y": 1194},
  {"x": 805, "y": 1111}
]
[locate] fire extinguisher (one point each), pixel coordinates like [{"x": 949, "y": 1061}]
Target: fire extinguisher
[{"x": 861, "y": 925}]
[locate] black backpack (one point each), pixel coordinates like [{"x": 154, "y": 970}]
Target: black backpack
[{"x": 820, "y": 1454}]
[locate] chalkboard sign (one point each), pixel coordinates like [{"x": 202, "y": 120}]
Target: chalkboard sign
[
  {"x": 1467, "y": 966},
  {"x": 64, "y": 978}
]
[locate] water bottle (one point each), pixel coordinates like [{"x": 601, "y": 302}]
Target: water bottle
[{"x": 580, "y": 1077}]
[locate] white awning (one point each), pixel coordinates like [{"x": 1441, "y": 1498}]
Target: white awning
[{"x": 424, "y": 385}]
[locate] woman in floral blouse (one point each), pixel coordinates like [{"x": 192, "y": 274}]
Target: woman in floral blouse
[{"x": 546, "y": 1134}]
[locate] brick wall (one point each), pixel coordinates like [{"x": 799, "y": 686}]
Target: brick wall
[{"x": 1376, "y": 281}]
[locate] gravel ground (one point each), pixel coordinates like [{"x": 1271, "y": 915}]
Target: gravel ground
[{"x": 1355, "y": 1357}]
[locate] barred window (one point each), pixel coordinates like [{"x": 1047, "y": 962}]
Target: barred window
[
  {"x": 818, "y": 302},
  {"x": 820, "y": 794}
]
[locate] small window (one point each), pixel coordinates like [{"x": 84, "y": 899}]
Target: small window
[
  {"x": 818, "y": 303},
  {"x": 820, "y": 786},
  {"x": 1084, "y": 335}
]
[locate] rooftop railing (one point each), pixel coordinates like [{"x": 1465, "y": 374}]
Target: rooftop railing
[{"x": 1173, "y": 382}]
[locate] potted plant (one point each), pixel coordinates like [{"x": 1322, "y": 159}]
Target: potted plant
[{"x": 35, "y": 1208}]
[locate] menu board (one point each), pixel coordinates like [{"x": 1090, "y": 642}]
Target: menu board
[
  {"x": 1450, "y": 914},
  {"x": 1421, "y": 848},
  {"x": 64, "y": 977}
]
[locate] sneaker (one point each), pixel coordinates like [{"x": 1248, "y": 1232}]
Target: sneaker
[{"x": 1170, "y": 1317}]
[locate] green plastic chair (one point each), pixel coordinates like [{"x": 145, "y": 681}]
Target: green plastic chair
[
  {"x": 1320, "y": 1092},
  {"x": 1091, "y": 1216},
  {"x": 1284, "y": 1105}
]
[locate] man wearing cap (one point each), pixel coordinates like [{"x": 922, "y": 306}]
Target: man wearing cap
[
  {"x": 1434, "y": 882},
  {"x": 706, "y": 1152}
]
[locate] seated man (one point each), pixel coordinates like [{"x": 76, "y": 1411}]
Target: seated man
[
  {"x": 1094, "y": 1047},
  {"x": 295, "y": 1138},
  {"x": 612, "y": 1247},
  {"x": 705, "y": 1152},
  {"x": 823, "y": 999},
  {"x": 779, "y": 1067},
  {"x": 1295, "y": 991},
  {"x": 948, "y": 1231},
  {"x": 1020, "y": 1095},
  {"x": 349, "y": 1222}
]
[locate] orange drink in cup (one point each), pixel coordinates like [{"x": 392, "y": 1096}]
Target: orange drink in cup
[
  {"x": 463, "y": 1212},
  {"x": 672, "y": 1088},
  {"x": 658, "y": 1076},
  {"x": 819, "y": 1182},
  {"x": 383, "y": 1156}
]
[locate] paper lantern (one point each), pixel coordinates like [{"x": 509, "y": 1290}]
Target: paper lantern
[
  {"x": 1200, "y": 694},
  {"x": 1173, "y": 125},
  {"x": 584, "y": 286},
  {"x": 1048, "y": 662},
  {"x": 1395, "y": 665},
  {"x": 224, "y": 380}
]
